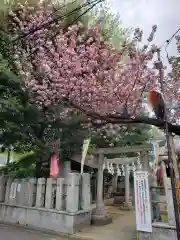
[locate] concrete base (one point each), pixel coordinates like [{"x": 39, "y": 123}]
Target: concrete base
[
  {"x": 160, "y": 231},
  {"x": 118, "y": 200},
  {"x": 100, "y": 217},
  {"x": 101, "y": 220},
  {"x": 126, "y": 207},
  {"x": 41, "y": 218}
]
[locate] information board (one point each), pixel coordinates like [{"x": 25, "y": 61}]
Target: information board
[{"x": 142, "y": 201}]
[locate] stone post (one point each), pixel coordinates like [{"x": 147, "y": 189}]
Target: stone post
[
  {"x": 32, "y": 186},
  {"x": 114, "y": 179},
  {"x": 13, "y": 193},
  {"x": 85, "y": 192},
  {"x": 170, "y": 205},
  {"x": 155, "y": 210},
  {"x": 144, "y": 160},
  {"x": 72, "y": 200},
  {"x": 8, "y": 189},
  {"x": 169, "y": 197},
  {"x": 100, "y": 202},
  {"x": 40, "y": 194},
  {"x": 99, "y": 215},
  {"x": 3, "y": 181},
  {"x": 126, "y": 168},
  {"x": 164, "y": 177},
  {"x": 59, "y": 193},
  {"x": 67, "y": 170},
  {"x": 138, "y": 166},
  {"x": 21, "y": 186},
  {"x": 94, "y": 187},
  {"x": 49, "y": 199},
  {"x": 24, "y": 192}
]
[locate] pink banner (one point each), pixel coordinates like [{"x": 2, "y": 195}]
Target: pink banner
[{"x": 54, "y": 168}]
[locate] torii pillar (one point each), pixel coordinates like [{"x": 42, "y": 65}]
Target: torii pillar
[
  {"x": 99, "y": 214},
  {"x": 127, "y": 202},
  {"x": 144, "y": 160}
]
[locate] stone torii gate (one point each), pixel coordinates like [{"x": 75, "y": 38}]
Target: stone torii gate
[
  {"x": 126, "y": 162},
  {"x": 99, "y": 215}
]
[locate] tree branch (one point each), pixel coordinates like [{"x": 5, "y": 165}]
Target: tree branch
[
  {"x": 117, "y": 119},
  {"x": 145, "y": 120}
]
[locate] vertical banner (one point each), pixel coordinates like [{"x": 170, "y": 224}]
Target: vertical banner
[
  {"x": 142, "y": 201},
  {"x": 54, "y": 168},
  {"x": 84, "y": 152}
]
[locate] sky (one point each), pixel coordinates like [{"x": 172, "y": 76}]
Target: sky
[{"x": 145, "y": 13}]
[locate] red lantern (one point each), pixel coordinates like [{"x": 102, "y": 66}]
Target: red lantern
[{"x": 156, "y": 100}]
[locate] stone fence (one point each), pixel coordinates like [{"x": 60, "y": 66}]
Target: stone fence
[{"x": 56, "y": 204}]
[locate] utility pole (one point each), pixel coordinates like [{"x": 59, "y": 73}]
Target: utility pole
[{"x": 159, "y": 66}]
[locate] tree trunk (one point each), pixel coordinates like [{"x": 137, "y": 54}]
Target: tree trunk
[
  {"x": 39, "y": 159},
  {"x": 8, "y": 156}
]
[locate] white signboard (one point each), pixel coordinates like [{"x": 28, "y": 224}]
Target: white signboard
[{"x": 142, "y": 201}]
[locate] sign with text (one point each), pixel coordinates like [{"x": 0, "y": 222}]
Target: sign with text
[{"x": 142, "y": 201}]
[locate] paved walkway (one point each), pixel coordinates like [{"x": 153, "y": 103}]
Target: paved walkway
[
  {"x": 123, "y": 227},
  {"x": 8, "y": 232}
]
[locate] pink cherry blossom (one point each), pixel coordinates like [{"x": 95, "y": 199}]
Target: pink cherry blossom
[{"x": 79, "y": 66}]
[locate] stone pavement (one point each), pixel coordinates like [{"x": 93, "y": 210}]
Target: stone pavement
[
  {"x": 123, "y": 227},
  {"x": 8, "y": 232}
]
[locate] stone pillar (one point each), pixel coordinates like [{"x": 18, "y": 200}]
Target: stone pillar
[
  {"x": 8, "y": 189},
  {"x": 72, "y": 199},
  {"x": 169, "y": 197},
  {"x": 144, "y": 160},
  {"x": 32, "y": 186},
  {"x": 49, "y": 199},
  {"x": 138, "y": 166},
  {"x": 21, "y": 187},
  {"x": 59, "y": 193},
  {"x": 170, "y": 205},
  {"x": 100, "y": 202},
  {"x": 164, "y": 176},
  {"x": 85, "y": 192},
  {"x": 13, "y": 193},
  {"x": 94, "y": 187},
  {"x": 24, "y": 192},
  {"x": 114, "y": 179},
  {"x": 99, "y": 215},
  {"x": 40, "y": 194},
  {"x": 126, "y": 168},
  {"x": 155, "y": 193},
  {"x": 3, "y": 181}
]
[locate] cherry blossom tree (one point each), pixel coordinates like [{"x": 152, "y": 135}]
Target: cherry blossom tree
[
  {"x": 78, "y": 67},
  {"x": 174, "y": 78},
  {"x": 175, "y": 74}
]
